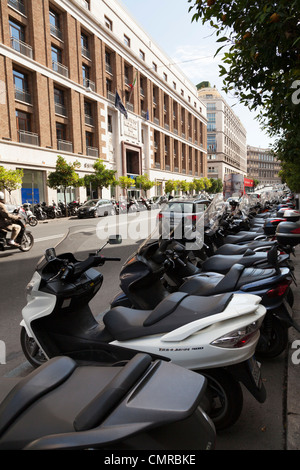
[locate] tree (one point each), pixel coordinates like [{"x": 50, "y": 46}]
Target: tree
[
  {"x": 10, "y": 179},
  {"x": 125, "y": 183},
  {"x": 216, "y": 186},
  {"x": 101, "y": 178},
  {"x": 143, "y": 182},
  {"x": 64, "y": 176},
  {"x": 262, "y": 62}
]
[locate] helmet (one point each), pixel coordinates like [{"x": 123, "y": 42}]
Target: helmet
[{"x": 1, "y": 195}]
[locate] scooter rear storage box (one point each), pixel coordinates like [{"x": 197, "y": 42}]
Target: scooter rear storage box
[
  {"x": 271, "y": 224},
  {"x": 288, "y": 233}
]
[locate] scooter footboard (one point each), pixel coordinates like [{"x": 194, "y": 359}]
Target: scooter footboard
[{"x": 249, "y": 374}]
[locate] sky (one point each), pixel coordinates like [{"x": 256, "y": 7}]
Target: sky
[{"x": 192, "y": 47}]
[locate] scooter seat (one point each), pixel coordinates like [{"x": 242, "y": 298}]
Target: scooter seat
[
  {"x": 223, "y": 263},
  {"x": 231, "y": 249},
  {"x": 241, "y": 237},
  {"x": 124, "y": 323},
  {"x": 39, "y": 383},
  {"x": 213, "y": 284}
]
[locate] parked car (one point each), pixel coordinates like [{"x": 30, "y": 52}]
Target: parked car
[
  {"x": 96, "y": 208},
  {"x": 188, "y": 211}
]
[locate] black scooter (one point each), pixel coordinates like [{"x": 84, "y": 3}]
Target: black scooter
[{"x": 138, "y": 404}]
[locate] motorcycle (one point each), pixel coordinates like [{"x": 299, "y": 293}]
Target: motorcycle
[
  {"x": 24, "y": 239},
  {"x": 215, "y": 336},
  {"x": 31, "y": 218},
  {"x": 39, "y": 212},
  {"x": 137, "y": 404}
]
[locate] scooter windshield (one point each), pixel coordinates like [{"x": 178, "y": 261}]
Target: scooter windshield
[
  {"x": 78, "y": 240},
  {"x": 214, "y": 211}
]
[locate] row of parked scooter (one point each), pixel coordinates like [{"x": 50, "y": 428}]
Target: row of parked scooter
[{"x": 162, "y": 368}]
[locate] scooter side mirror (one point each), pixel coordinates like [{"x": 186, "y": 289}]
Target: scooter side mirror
[
  {"x": 50, "y": 254},
  {"x": 115, "y": 239}
]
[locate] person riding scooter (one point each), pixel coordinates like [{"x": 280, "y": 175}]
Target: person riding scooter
[{"x": 7, "y": 221}]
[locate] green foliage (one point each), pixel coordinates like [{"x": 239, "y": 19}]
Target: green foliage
[
  {"x": 216, "y": 186},
  {"x": 101, "y": 178},
  {"x": 290, "y": 174},
  {"x": 125, "y": 182},
  {"x": 143, "y": 182},
  {"x": 10, "y": 179},
  {"x": 64, "y": 175},
  {"x": 261, "y": 62}
]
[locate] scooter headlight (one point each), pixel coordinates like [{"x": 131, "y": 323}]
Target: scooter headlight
[{"x": 237, "y": 338}]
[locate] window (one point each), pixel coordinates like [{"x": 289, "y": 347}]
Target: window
[
  {"x": 182, "y": 93},
  {"x": 21, "y": 87},
  {"x": 54, "y": 19},
  {"x": 126, "y": 41},
  {"x": 174, "y": 85},
  {"x": 142, "y": 55},
  {"x": 108, "y": 23},
  {"x": 109, "y": 123},
  {"x": 59, "y": 102},
  {"x": 18, "y": 5},
  {"x": 56, "y": 55},
  {"x": 60, "y": 131},
  {"x": 165, "y": 77},
  {"x": 17, "y": 31},
  {"x": 108, "y": 66},
  {"x": 154, "y": 66},
  {"x": 85, "y": 46},
  {"x": 23, "y": 121}
]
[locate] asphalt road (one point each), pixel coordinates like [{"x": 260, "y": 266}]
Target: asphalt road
[{"x": 260, "y": 427}]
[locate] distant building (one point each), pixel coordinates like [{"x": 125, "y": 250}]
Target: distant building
[
  {"x": 226, "y": 135},
  {"x": 262, "y": 166},
  {"x": 61, "y": 63}
]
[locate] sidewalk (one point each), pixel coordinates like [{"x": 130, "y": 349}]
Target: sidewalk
[{"x": 293, "y": 369}]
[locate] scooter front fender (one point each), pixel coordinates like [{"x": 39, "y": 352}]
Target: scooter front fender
[
  {"x": 285, "y": 314},
  {"x": 248, "y": 373}
]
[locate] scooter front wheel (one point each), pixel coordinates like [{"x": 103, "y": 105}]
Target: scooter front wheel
[
  {"x": 27, "y": 242},
  {"x": 224, "y": 398},
  {"x": 273, "y": 338},
  {"x": 31, "y": 350}
]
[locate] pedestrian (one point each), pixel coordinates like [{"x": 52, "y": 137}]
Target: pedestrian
[{"x": 7, "y": 221}]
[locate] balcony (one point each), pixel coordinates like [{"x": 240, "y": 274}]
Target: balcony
[
  {"x": 17, "y": 5},
  {"x": 30, "y": 138},
  {"x": 108, "y": 68},
  {"x": 21, "y": 47},
  {"x": 87, "y": 83},
  {"x": 23, "y": 96},
  {"x": 60, "y": 68},
  {"x": 65, "y": 146},
  {"x": 60, "y": 109},
  {"x": 129, "y": 106},
  {"x": 56, "y": 32},
  {"x": 85, "y": 53},
  {"x": 88, "y": 120},
  {"x": 92, "y": 152}
]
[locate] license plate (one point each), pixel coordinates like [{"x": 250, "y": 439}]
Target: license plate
[{"x": 254, "y": 367}]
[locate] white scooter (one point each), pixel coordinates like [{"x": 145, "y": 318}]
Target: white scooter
[{"x": 215, "y": 336}]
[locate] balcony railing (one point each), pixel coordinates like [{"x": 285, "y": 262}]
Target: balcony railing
[
  {"x": 129, "y": 106},
  {"x": 22, "y": 95},
  {"x": 55, "y": 31},
  {"x": 18, "y": 5},
  {"x": 92, "y": 152},
  {"x": 21, "y": 47},
  {"x": 60, "y": 68},
  {"x": 60, "y": 109},
  {"x": 64, "y": 145},
  {"x": 111, "y": 96},
  {"x": 26, "y": 137},
  {"x": 85, "y": 52},
  {"x": 87, "y": 83},
  {"x": 88, "y": 120},
  {"x": 108, "y": 68}
]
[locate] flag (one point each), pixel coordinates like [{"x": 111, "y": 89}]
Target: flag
[
  {"x": 132, "y": 86},
  {"x": 147, "y": 115},
  {"x": 120, "y": 106}
]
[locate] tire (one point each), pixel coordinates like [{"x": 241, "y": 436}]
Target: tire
[
  {"x": 32, "y": 221},
  {"x": 27, "y": 242},
  {"x": 273, "y": 338},
  {"x": 31, "y": 351},
  {"x": 112, "y": 211},
  {"x": 224, "y": 398},
  {"x": 290, "y": 297}
]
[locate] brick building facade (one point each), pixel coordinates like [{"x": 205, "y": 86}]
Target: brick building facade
[{"x": 61, "y": 63}]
